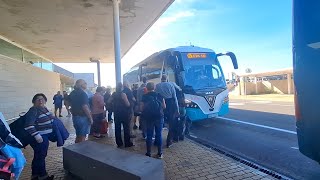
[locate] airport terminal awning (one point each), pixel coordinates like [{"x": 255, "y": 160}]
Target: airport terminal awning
[{"x": 73, "y": 31}]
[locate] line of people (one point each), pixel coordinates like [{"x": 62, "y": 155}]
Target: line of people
[{"x": 154, "y": 106}]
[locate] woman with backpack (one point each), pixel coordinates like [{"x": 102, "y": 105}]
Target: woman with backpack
[
  {"x": 152, "y": 105},
  {"x": 121, "y": 110},
  {"x": 39, "y": 125}
]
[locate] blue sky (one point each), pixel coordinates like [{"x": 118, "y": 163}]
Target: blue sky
[{"x": 257, "y": 31}]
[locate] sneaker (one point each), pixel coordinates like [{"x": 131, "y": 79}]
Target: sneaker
[
  {"x": 135, "y": 127},
  {"x": 149, "y": 155},
  {"x": 160, "y": 156},
  {"x": 60, "y": 115},
  {"x": 99, "y": 137}
]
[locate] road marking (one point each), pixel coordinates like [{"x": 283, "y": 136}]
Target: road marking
[
  {"x": 236, "y": 104},
  {"x": 193, "y": 136},
  {"x": 261, "y": 102},
  {"x": 269, "y": 103},
  {"x": 258, "y": 125},
  {"x": 295, "y": 148},
  {"x": 285, "y": 105}
]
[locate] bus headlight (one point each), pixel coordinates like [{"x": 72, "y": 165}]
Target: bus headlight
[
  {"x": 187, "y": 101},
  {"x": 190, "y": 104}
]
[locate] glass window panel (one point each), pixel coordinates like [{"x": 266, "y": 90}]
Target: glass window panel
[
  {"x": 47, "y": 65},
  {"x": 32, "y": 59},
  {"x": 10, "y": 50}
]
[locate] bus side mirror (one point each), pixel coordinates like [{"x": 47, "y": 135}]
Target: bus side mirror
[{"x": 233, "y": 58}]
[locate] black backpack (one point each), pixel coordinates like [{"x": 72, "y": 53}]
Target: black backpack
[
  {"x": 17, "y": 129},
  {"x": 153, "y": 108}
]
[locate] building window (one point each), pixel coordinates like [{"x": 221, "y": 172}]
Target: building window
[
  {"x": 47, "y": 65},
  {"x": 10, "y": 50}
]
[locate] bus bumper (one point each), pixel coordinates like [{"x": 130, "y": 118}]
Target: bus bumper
[
  {"x": 224, "y": 109},
  {"x": 196, "y": 114}
]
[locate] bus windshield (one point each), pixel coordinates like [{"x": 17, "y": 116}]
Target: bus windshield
[{"x": 203, "y": 73}]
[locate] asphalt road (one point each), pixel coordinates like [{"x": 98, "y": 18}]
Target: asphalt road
[{"x": 262, "y": 132}]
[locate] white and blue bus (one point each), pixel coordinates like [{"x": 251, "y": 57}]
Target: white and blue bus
[{"x": 197, "y": 71}]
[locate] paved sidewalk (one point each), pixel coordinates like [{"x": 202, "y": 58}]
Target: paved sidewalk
[{"x": 184, "y": 160}]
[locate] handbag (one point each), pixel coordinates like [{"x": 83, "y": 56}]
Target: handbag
[{"x": 17, "y": 129}]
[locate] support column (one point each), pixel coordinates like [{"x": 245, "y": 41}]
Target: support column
[
  {"x": 256, "y": 82},
  {"x": 98, "y": 69},
  {"x": 99, "y": 74},
  {"x": 289, "y": 83},
  {"x": 116, "y": 27}
]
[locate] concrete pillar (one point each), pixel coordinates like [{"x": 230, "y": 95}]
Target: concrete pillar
[
  {"x": 256, "y": 83},
  {"x": 242, "y": 86},
  {"x": 289, "y": 83},
  {"x": 98, "y": 70},
  {"x": 116, "y": 27}
]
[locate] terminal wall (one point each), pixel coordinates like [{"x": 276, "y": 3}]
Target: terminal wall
[{"x": 19, "y": 82}]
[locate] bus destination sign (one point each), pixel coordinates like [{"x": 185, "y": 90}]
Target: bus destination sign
[{"x": 196, "y": 55}]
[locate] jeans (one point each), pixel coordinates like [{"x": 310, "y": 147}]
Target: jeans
[
  {"x": 172, "y": 121},
  {"x": 143, "y": 125},
  {"x": 154, "y": 126},
  {"x": 124, "y": 121},
  {"x": 82, "y": 125},
  {"x": 97, "y": 122},
  {"x": 40, "y": 150},
  {"x": 109, "y": 115}
]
